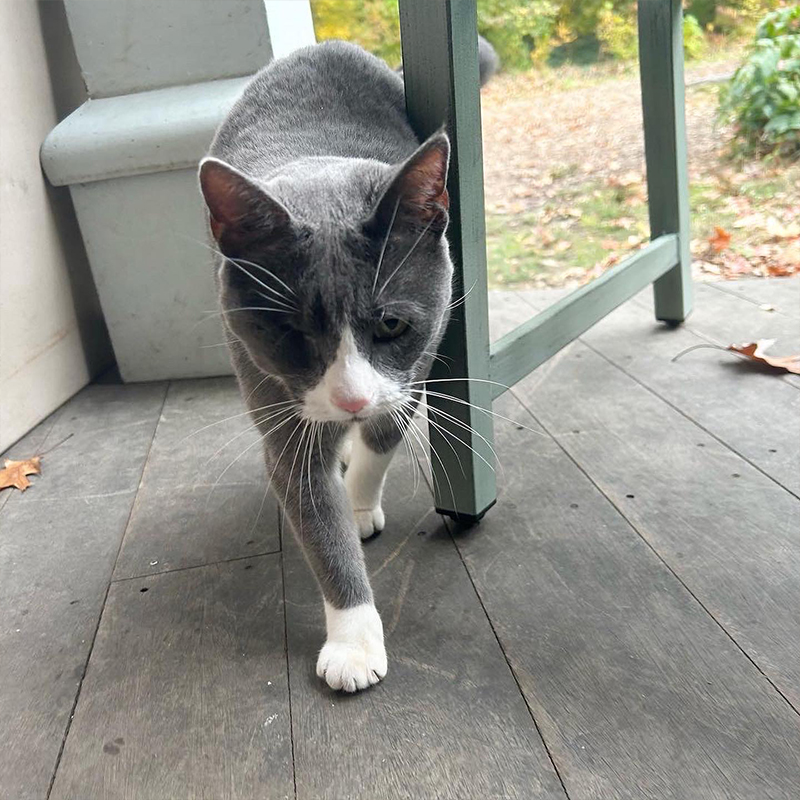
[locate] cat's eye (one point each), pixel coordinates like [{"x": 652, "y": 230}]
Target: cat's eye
[{"x": 389, "y": 328}]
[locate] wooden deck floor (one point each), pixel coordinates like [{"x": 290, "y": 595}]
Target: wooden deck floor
[{"x": 625, "y": 623}]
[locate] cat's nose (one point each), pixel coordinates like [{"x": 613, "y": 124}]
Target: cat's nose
[{"x": 349, "y": 403}]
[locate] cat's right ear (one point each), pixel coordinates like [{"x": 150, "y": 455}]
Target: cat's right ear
[
  {"x": 240, "y": 212},
  {"x": 417, "y": 194}
]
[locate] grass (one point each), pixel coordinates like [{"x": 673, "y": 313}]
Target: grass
[{"x": 598, "y": 222}]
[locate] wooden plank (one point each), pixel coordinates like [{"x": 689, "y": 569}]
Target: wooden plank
[
  {"x": 747, "y": 409},
  {"x": 534, "y": 341},
  {"x": 638, "y": 693},
  {"x": 448, "y": 720},
  {"x": 29, "y": 445},
  {"x": 186, "y": 692},
  {"x": 56, "y": 558},
  {"x": 783, "y": 294},
  {"x": 718, "y": 320},
  {"x": 727, "y": 531},
  {"x": 110, "y": 428},
  {"x": 440, "y": 68},
  {"x": 181, "y": 517},
  {"x": 663, "y": 109}
]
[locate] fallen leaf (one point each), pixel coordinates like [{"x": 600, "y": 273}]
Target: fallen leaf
[
  {"x": 750, "y": 221},
  {"x": 779, "y": 231},
  {"x": 756, "y": 352},
  {"x": 720, "y": 240},
  {"x": 14, "y": 473}
]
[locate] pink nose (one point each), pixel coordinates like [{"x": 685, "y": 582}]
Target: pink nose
[{"x": 351, "y": 404}]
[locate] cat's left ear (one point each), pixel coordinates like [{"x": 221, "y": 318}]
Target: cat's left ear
[
  {"x": 241, "y": 212},
  {"x": 417, "y": 193}
]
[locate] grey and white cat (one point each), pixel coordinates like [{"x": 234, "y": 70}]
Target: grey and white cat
[{"x": 335, "y": 281}]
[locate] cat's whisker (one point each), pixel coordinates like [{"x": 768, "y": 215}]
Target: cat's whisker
[
  {"x": 447, "y": 441},
  {"x": 466, "y": 427},
  {"x": 463, "y": 298},
  {"x": 256, "y": 422},
  {"x": 406, "y": 257},
  {"x": 234, "y": 416},
  {"x": 272, "y": 474},
  {"x": 308, "y": 456},
  {"x": 426, "y": 456},
  {"x": 259, "y": 440},
  {"x": 300, "y": 483},
  {"x": 436, "y": 357},
  {"x": 271, "y": 309},
  {"x": 383, "y": 247},
  {"x": 438, "y": 458},
  {"x": 395, "y": 415},
  {"x": 277, "y": 300},
  {"x": 264, "y": 269},
  {"x": 487, "y": 411},
  {"x": 445, "y": 431}
]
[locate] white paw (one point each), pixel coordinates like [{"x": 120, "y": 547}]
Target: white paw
[
  {"x": 351, "y": 667},
  {"x": 369, "y": 521},
  {"x": 354, "y": 657}
]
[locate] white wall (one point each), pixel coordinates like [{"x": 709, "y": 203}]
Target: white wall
[{"x": 52, "y": 337}]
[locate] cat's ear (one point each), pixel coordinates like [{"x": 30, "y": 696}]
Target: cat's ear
[
  {"x": 240, "y": 211},
  {"x": 417, "y": 194}
]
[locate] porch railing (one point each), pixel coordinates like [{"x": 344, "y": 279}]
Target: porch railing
[{"x": 440, "y": 62}]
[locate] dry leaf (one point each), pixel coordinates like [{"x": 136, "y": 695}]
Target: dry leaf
[
  {"x": 720, "y": 240},
  {"x": 756, "y": 352},
  {"x": 15, "y": 472},
  {"x": 779, "y": 231}
]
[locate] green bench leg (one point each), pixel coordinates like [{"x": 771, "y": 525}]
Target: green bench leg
[
  {"x": 661, "y": 66},
  {"x": 440, "y": 64}
]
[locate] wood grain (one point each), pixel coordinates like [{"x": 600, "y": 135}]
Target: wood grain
[
  {"x": 186, "y": 693},
  {"x": 638, "y": 692},
  {"x": 448, "y": 721}
]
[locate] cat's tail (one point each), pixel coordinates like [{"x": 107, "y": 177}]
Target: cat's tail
[{"x": 488, "y": 61}]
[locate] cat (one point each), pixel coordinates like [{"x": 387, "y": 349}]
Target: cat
[{"x": 334, "y": 277}]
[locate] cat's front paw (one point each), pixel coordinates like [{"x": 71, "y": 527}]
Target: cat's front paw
[
  {"x": 369, "y": 521},
  {"x": 354, "y": 657}
]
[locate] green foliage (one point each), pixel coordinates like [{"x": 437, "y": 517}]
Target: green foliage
[
  {"x": 520, "y": 32},
  {"x": 694, "y": 43},
  {"x": 374, "y": 24},
  {"x": 525, "y": 32},
  {"x": 762, "y": 100},
  {"x": 617, "y": 32}
]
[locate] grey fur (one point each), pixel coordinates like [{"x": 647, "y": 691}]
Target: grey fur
[
  {"x": 488, "y": 61},
  {"x": 325, "y": 154}
]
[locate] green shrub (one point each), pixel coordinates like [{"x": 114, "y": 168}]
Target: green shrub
[
  {"x": 520, "y": 32},
  {"x": 762, "y": 99},
  {"x": 694, "y": 43},
  {"x": 616, "y": 31}
]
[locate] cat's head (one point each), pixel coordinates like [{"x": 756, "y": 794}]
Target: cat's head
[{"x": 336, "y": 276}]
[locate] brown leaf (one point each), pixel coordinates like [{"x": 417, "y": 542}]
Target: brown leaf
[
  {"x": 720, "y": 240},
  {"x": 14, "y": 473},
  {"x": 756, "y": 352}
]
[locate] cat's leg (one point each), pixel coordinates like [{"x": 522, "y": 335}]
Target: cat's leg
[
  {"x": 308, "y": 482},
  {"x": 366, "y": 473}
]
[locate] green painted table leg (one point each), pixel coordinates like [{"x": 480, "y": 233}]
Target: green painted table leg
[
  {"x": 661, "y": 65},
  {"x": 440, "y": 65}
]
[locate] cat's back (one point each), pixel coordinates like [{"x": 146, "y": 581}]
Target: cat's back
[{"x": 330, "y": 99}]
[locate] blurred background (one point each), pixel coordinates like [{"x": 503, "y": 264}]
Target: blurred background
[{"x": 562, "y": 132}]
